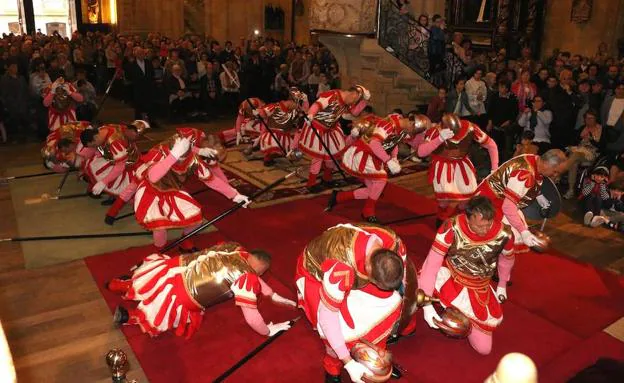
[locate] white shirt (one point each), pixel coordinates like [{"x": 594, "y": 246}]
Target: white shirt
[
  {"x": 141, "y": 64},
  {"x": 542, "y": 129},
  {"x": 617, "y": 108}
]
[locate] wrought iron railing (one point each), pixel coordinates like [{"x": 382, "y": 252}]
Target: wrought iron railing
[{"x": 401, "y": 35}]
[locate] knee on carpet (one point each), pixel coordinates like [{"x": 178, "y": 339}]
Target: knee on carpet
[{"x": 480, "y": 342}]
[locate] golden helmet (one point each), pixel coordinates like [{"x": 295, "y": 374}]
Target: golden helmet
[
  {"x": 376, "y": 359},
  {"x": 140, "y": 125},
  {"x": 451, "y": 121},
  {"x": 421, "y": 123},
  {"x": 365, "y": 127}
]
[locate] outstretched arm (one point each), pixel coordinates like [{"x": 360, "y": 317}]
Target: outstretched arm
[
  {"x": 427, "y": 147},
  {"x": 492, "y": 149},
  {"x": 159, "y": 169},
  {"x": 510, "y": 210},
  {"x": 329, "y": 321},
  {"x": 115, "y": 172},
  {"x": 255, "y": 321}
]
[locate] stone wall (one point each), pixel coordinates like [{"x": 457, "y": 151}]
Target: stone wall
[
  {"x": 144, "y": 16},
  {"x": 606, "y": 24}
]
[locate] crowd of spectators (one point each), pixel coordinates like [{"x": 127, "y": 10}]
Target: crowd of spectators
[{"x": 190, "y": 77}]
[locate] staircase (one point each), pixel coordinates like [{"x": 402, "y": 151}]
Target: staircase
[{"x": 396, "y": 79}]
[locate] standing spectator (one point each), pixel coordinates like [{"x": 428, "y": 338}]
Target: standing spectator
[
  {"x": 457, "y": 100},
  {"x": 610, "y": 80},
  {"x": 612, "y": 117},
  {"x": 437, "y": 44},
  {"x": 85, "y": 110},
  {"x": 492, "y": 87},
  {"x": 14, "y": 97},
  {"x": 141, "y": 74},
  {"x": 477, "y": 92},
  {"x": 334, "y": 76},
  {"x": 175, "y": 59},
  {"x": 212, "y": 90},
  {"x": 54, "y": 70},
  {"x": 299, "y": 71},
  {"x": 596, "y": 98},
  {"x": 437, "y": 105},
  {"x": 562, "y": 103},
  {"x": 524, "y": 90},
  {"x": 583, "y": 99},
  {"x": 539, "y": 79},
  {"x": 538, "y": 120},
  {"x": 502, "y": 113},
  {"x": 66, "y": 67},
  {"x": 458, "y": 48},
  {"x": 230, "y": 85},
  {"x": 313, "y": 82},
  {"x": 281, "y": 86}
]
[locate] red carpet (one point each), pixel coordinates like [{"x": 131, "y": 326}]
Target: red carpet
[{"x": 556, "y": 310}]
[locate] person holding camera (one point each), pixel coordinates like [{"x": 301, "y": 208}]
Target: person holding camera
[{"x": 538, "y": 119}]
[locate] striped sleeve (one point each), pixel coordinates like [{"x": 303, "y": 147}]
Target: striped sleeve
[
  {"x": 444, "y": 238},
  {"x": 246, "y": 289}
]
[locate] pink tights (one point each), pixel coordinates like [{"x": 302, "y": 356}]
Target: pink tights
[
  {"x": 373, "y": 189},
  {"x": 160, "y": 237},
  {"x": 480, "y": 341}
]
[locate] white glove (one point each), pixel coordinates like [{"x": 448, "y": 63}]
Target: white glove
[
  {"x": 501, "y": 294},
  {"x": 445, "y": 134},
  {"x": 98, "y": 188},
  {"x": 543, "y": 201},
  {"x": 277, "y": 327},
  {"x": 281, "y": 300},
  {"x": 239, "y": 138},
  {"x": 529, "y": 239},
  {"x": 242, "y": 198},
  {"x": 429, "y": 313},
  {"x": 355, "y": 132},
  {"x": 366, "y": 95},
  {"x": 356, "y": 371},
  {"x": 208, "y": 152},
  {"x": 180, "y": 147},
  {"x": 394, "y": 166}
]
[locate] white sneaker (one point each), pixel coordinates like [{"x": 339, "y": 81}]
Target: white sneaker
[
  {"x": 588, "y": 218},
  {"x": 597, "y": 221},
  {"x": 390, "y": 50},
  {"x": 416, "y": 159}
]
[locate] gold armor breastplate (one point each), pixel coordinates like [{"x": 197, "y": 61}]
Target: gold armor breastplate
[
  {"x": 285, "y": 120},
  {"x": 209, "y": 276},
  {"x": 456, "y": 150},
  {"x": 476, "y": 258},
  {"x": 337, "y": 243},
  {"x": 329, "y": 116},
  {"x": 498, "y": 180}
]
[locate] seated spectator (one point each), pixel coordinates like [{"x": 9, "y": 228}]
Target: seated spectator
[
  {"x": 477, "y": 93},
  {"x": 437, "y": 105},
  {"x": 39, "y": 79},
  {"x": 526, "y": 145},
  {"x": 612, "y": 116},
  {"x": 159, "y": 72},
  {"x": 299, "y": 71},
  {"x": 313, "y": 82},
  {"x": 537, "y": 120},
  {"x": 334, "y": 78},
  {"x": 180, "y": 98},
  {"x": 591, "y": 143},
  {"x": 594, "y": 195},
  {"x": 524, "y": 90},
  {"x": 613, "y": 207},
  {"x": 174, "y": 59}
]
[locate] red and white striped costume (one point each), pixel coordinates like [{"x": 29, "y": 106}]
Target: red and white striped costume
[
  {"x": 61, "y": 103},
  {"x": 246, "y": 122},
  {"x": 451, "y": 172},
  {"x": 53, "y": 157},
  {"x": 173, "y": 292},
  {"x": 513, "y": 186},
  {"x": 282, "y": 119},
  {"x": 336, "y": 278},
  {"x": 116, "y": 161},
  {"x": 325, "y": 115},
  {"x": 459, "y": 269}
]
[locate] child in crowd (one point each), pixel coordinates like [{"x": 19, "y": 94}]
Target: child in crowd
[
  {"x": 323, "y": 85},
  {"x": 595, "y": 195},
  {"x": 86, "y": 109},
  {"x": 613, "y": 208},
  {"x": 526, "y": 145}
]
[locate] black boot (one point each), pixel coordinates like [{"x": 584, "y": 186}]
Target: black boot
[
  {"x": 107, "y": 202},
  {"x": 396, "y": 372},
  {"x": 109, "y": 220},
  {"x": 332, "y": 378},
  {"x": 120, "y": 316},
  {"x": 331, "y": 203}
]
